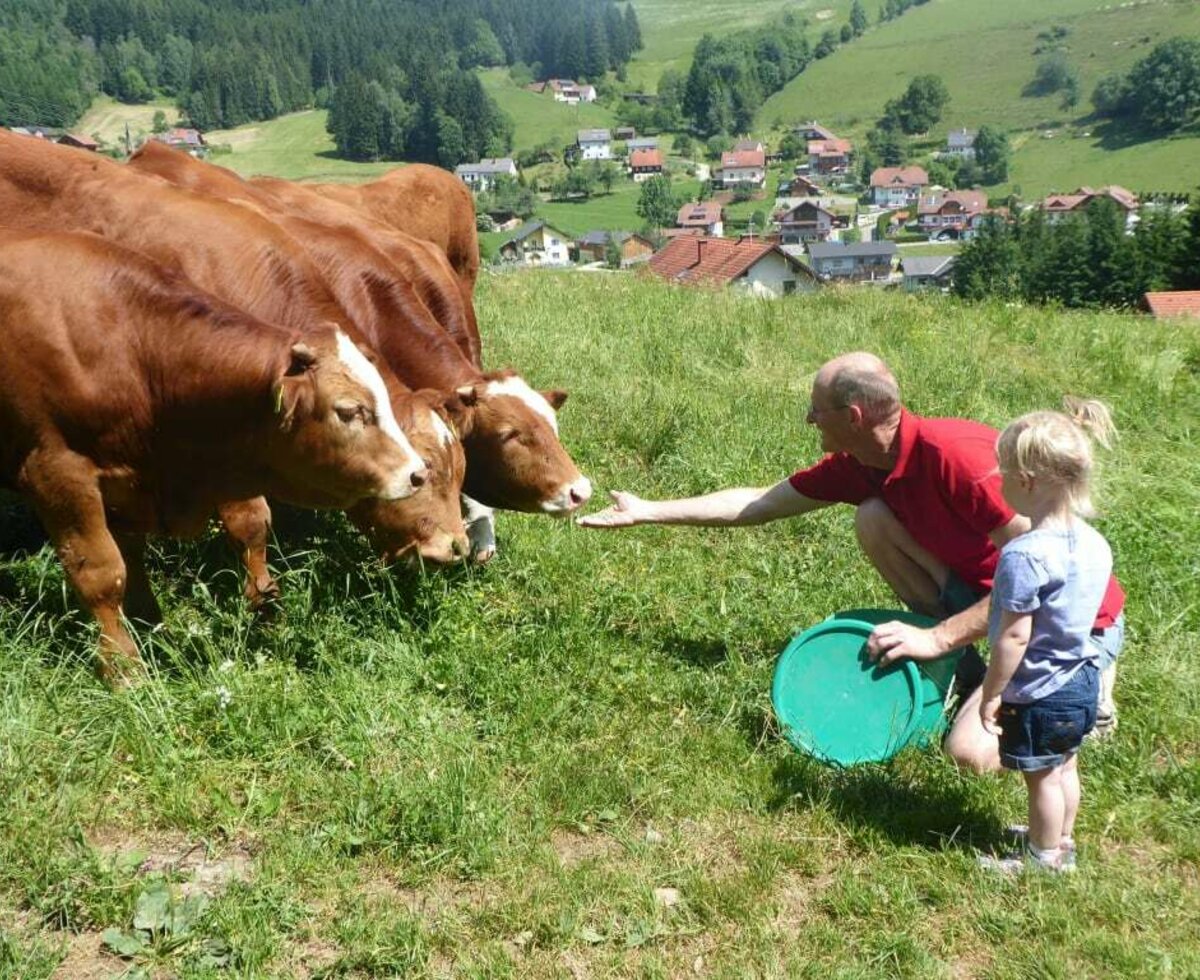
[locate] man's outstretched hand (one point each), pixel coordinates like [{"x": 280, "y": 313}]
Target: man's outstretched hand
[{"x": 626, "y": 510}]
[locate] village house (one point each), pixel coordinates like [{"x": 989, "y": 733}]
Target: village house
[
  {"x": 1174, "y": 304},
  {"x": 480, "y": 176},
  {"x": 829, "y": 156},
  {"x": 749, "y": 146},
  {"x": 857, "y": 262},
  {"x": 642, "y": 143},
  {"x": 960, "y": 143},
  {"x": 802, "y": 186},
  {"x": 634, "y": 248},
  {"x": 1057, "y": 206},
  {"x": 37, "y": 132},
  {"x": 184, "y": 138},
  {"x": 927, "y": 272},
  {"x": 644, "y": 164},
  {"x": 742, "y": 167},
  {"x": 594, "y": 144},
  {"x": 806, "y": 222},
  {"x": 759, "y": 266},
  {"x": 813, "y": 131},
  {"x": 79, "y": 141},
  {"x": 704, "y": 217},
  {"x": 977, "y": 221},
  {"x": 565, "y": 90},
  {"x": 895, "y": 187},
  {"x": 537, "y": 243},
  {"x": 942, "y": 213},
  {"x": 624, "y": 133}
]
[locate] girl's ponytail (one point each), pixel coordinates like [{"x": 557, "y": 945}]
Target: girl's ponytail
[{"x": 1093, "y": 417}]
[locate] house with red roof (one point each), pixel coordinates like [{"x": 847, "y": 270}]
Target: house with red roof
[
  {"x": 759, "y": 266},
  {"x": 1175, "y": 304},
  {"x": 806, "y": 222},
  {"x": 829, "y": 156},
  {"x": 703, "y": 216},
  {"x": 742, "y": 167},
  {"x": 644, "y": 164},
  {"x": 1058, "y": 206},
  {"x": 942, "y": 213},
  {"x": 896, "y": 187}
]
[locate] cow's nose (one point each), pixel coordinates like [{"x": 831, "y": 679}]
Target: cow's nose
[{"x": 420, "y": 477}]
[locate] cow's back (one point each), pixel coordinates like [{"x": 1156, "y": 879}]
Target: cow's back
[{"x": 426, "y": 202}]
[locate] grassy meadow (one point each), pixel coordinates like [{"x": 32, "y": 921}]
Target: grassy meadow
[
  {"x": 984, "y": 52},
  {"x": 671, "y": 28},
  {"x": 565, "y": 763},
  {"x": 537, "y": 118}
]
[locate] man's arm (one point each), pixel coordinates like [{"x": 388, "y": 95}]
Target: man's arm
[
  {"x": 894, "y": 640},
  {"x": 737, "y": 507}
]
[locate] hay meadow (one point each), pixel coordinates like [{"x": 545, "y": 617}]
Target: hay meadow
[{"x": 565, "y": 763}]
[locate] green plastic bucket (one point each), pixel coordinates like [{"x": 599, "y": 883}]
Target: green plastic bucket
[{"x": 835, "y": 704}]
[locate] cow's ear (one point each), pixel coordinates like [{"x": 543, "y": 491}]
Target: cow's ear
[
  {"x": 468, "y": 394},
  {"x": 460, "y": 413},
  {"x": 302, "y": 359},
  {"x": 555, "y": 397}
]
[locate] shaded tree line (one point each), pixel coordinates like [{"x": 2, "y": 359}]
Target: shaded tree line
[
  {"x": 733, "y": 74},
  {"x": 1087, "y": 260},
  {"x": 228, "y": 62},
  {"x": 1161, "y": 91}
]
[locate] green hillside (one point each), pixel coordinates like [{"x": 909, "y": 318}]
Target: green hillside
[
  {"x": 671, "y": 28},
  {"x": 500, "y": 772},
  {"x": 537, "y": 117},
  {"x": 984, "y": 51},
  {"x": 295, "y": 146}
]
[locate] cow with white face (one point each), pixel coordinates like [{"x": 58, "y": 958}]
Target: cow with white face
[{"x": 514, "y": 458}]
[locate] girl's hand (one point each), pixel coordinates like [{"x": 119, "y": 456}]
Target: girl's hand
[{"x": 989, "y": 714}]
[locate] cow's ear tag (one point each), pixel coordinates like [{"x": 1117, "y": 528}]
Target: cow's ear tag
[{"x": 279, "y": 398}]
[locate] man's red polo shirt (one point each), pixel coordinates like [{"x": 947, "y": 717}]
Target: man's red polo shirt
[{"x": 944, "y": 489}]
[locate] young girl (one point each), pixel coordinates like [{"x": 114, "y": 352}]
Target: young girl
[{"x": 1042, "y": 684}]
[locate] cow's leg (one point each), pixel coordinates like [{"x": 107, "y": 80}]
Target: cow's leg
[
  {"x": 248, "y": 526},
  {"x": 67, "y": 498},
  {"x": 481, "y": 529},
  {"x": 139, "y": 602}
]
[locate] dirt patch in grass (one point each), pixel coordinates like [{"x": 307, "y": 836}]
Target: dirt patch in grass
[
  {"x": 86, "y": 959},
  {"x": 207, "y": 870},
  {"x": 573, "y": 848},
  {"x": 794, "y": 898}
]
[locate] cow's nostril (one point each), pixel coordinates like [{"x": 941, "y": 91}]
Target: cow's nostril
[
  {"x": 576, "y": 497},
  {"x": 420, "y": 477}
]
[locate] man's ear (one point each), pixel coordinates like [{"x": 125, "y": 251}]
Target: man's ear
[
  {"x": 555, "y": 397},
  {"x": 856, "y": 413}
]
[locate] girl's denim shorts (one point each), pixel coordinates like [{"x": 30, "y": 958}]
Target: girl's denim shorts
[{"x": 1044, "y": 734}]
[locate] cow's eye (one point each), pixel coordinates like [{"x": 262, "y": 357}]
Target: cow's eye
[
  {"x": 510, "y": 435},
  {"x": 348, "y": 412}
]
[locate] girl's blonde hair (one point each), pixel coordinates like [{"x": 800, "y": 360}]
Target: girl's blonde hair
[{"x": 1055, "y": 447}]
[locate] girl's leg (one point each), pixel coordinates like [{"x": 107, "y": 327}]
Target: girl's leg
[
  {"x": 1071, "y": 793},
  {"x": 1046, "y": 807}
]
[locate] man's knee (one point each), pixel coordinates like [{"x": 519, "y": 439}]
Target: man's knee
[{"x": 873, "y": 519}]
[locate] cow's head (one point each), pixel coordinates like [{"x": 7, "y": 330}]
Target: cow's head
[
  {"x": 514, "y": 458},
  {"x": 337, "y": 438},
  {"x": 427, "y": 527}
]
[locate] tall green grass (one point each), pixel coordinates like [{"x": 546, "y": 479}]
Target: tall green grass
[{"x": 489, "y": 772}]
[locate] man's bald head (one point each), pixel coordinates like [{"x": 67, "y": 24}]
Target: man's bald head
[{"x": 862, "y": 379}]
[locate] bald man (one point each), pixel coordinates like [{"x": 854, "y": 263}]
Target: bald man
[{"x": 929, "y": 516}]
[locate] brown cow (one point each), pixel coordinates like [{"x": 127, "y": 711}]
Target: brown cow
[
  {"x": 514, "y": 458},
  {"x": 428, "y": 203},
  {"x": 246, "y": 260},
  {"x": 132, "y": 402}
]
